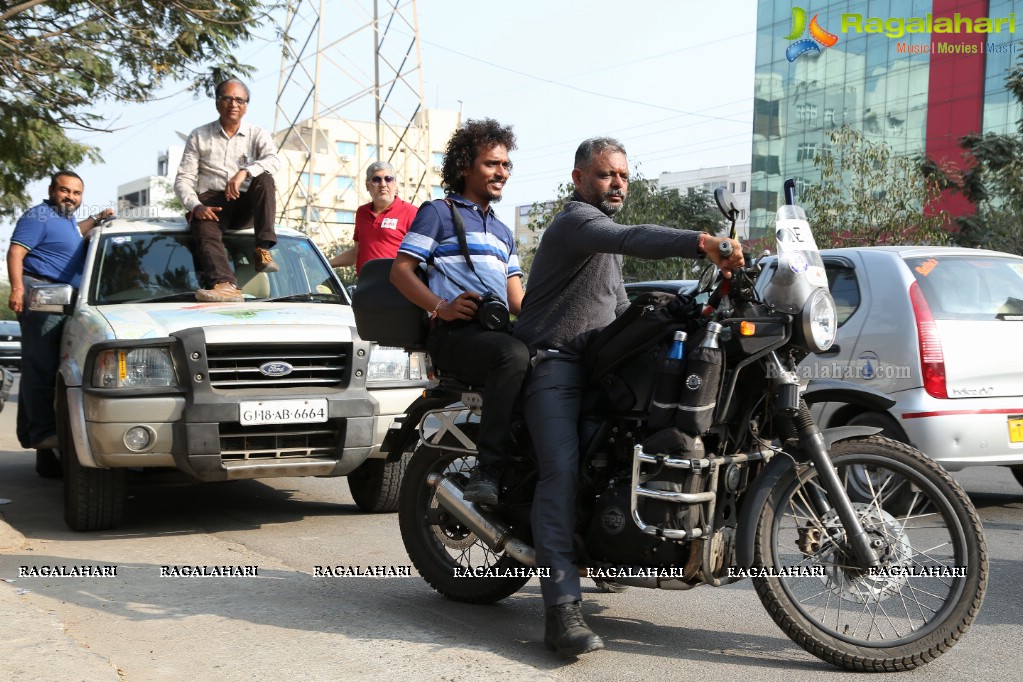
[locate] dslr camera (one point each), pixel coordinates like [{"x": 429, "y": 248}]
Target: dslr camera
[{"x": 492, "y": 313}]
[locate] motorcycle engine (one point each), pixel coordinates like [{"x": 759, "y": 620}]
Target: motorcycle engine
[{"x": 614, "y": 537}]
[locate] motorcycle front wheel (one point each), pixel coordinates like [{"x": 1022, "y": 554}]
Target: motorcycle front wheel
[
  {"x": 448, "y": 555},
  {"x": 930, "y": 546}
]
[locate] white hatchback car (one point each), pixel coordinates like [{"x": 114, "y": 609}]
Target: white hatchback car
[{"x": 938, "y": 329}]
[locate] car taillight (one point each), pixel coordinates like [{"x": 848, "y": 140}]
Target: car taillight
[{"x": 932, "y": 358}]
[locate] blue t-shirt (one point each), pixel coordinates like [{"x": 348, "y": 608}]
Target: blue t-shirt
[
  {"x": 432, "y": 239},
  {"x": 55, "y": 246}
]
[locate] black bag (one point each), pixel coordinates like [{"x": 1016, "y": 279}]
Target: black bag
[
  {"x": 648, "y": 321},
  {"x": 382, "y": 313}
]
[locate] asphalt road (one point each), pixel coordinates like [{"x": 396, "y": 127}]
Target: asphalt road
[{"x": 287, "y": 623}]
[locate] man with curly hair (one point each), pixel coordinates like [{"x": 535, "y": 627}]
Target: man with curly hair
[{"x": 476, "y": 167}]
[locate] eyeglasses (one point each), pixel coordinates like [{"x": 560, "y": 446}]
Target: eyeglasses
[
  {"x": 226, "y": 99},
  {"x": 377, "y": 179}
]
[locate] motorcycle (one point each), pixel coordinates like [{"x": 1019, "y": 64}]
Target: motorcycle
[{"x": 864, "y": 551}]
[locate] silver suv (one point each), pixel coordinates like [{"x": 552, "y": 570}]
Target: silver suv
[
  {"x": 939, "y": 330},
  {"x": 277, "y": 385}
]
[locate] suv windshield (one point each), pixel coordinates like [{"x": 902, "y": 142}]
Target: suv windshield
[
  {"x": 161, "y": 265},
  {"x": 970, "y": 287}
]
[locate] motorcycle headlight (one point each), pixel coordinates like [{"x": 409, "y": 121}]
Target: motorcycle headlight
[
  {"x": 394, "y": 364},
  {"x": 133, "y": 368},
  {"x": 820, "y": 321}
]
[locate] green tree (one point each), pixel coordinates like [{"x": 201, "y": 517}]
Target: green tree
[
  {"x": 869, "y": 196},
  {"x": 992, "y": 180},
  {"x": 646, "y": 204},
  {"x": 59, "y": 58}
]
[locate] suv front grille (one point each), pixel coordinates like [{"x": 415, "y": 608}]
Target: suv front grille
[
  {"x": 312, "y": 365},
  {"x": 280, "y": 441}
]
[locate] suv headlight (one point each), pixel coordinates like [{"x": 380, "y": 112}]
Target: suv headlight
[
  {"x": 820, "y": 321},
  {"x": 394, "y": 364},
  {"x": 133, "y": 368}
]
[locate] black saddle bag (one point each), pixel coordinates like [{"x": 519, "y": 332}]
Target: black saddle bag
[
  {"x": 623, "y": 357},
  {"x": 382, "y": 313}
]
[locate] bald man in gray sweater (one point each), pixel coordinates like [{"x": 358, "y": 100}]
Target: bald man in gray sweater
[{"x": 575, "y": 289}]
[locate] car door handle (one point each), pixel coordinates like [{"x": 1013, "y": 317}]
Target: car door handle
[{"x": 834, "y": 350}]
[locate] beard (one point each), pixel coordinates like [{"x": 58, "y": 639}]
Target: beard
[
  {"x": 607, "y": 207},
  {"x": 65, "y": 208}
]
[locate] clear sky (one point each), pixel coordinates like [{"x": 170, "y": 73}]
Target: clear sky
[{"x": 672, "y": 79}]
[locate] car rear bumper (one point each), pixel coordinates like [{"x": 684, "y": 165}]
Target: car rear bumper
[{"x": 965, "y": 432}]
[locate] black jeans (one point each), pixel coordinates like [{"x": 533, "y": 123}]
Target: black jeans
[
  {"x": 256, "y": 205},
  {"x": 40, "y": 362},
  {"x": 552, "y": 402},
  {"x": 495, "y": 360}
]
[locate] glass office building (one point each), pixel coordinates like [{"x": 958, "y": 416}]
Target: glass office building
[{"x": 919, "y": 92}]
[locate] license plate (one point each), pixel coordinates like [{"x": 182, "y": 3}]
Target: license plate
[
  {"x": 1016, "y": 430},
  {"x": 283, "y": 411}
]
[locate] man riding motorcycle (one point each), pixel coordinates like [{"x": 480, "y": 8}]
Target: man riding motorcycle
[{"x": 576, "y": 288}]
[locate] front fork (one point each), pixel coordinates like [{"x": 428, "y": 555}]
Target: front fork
[{"x": 812, "y": 443}]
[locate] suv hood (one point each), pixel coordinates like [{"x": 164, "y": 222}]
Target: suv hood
[{"x": 158, "y": 320}]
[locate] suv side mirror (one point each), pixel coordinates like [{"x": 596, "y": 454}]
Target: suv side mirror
[{"x": 51, "y": 298}]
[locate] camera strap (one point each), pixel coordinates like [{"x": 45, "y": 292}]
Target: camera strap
[{"x": 463, "y": 244}]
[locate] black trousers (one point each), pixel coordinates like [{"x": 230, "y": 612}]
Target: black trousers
[
  {"x": 552, "y": 402},
  {"x": 495, "y": 360},
  {"x": 257, "y": 205}
]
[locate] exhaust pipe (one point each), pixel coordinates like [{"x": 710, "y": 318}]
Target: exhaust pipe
[{"x": 497, "y": 535}]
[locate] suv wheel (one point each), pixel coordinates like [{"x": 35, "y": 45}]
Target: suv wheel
[
  {"x": 375, "y": 484},
  {"x": 93, "y": 498}
]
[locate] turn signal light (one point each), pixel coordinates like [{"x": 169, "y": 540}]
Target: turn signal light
[{"x": 747, "y": 328}]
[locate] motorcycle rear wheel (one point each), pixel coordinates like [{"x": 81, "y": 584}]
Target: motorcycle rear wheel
[
  {"x": 439, "y": 546},
  {"x": 933, "y": 561}
]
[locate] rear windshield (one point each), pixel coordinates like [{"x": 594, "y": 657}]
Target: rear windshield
[{"x": 971, "y": 287}]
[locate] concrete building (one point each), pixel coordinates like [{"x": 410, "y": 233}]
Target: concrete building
[
  {"x": 736, "y": 179},
  {"x": 152, "y": 196},
  {"x": 321, "y": 183}
]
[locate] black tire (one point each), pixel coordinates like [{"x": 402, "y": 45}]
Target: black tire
[
  {"x": 844, "y": 615},
  {"x": 93, "y": 498},
  {"x": 1017, "y": 471},
  {"x": 375, "y": 484},
  {"x": 898, "y": 494},
  {"x": 436, "y": 543},
  {"x": 48, "y": 464}
]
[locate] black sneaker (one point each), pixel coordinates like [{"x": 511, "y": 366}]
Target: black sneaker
[
  {"x": 567, "y": 632},
  {"x": 482, "y": 489}
]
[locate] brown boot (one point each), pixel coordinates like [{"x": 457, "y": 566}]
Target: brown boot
[
  {"x": 264, "y": 262},
  {"x": 224, "y": 292}
]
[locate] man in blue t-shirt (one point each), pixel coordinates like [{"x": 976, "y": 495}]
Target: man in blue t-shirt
[
  {"x": 476, "y": 167},
  {"x": 46, "y": 248}
]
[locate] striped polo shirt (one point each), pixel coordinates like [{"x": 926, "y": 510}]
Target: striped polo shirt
[{"x": 431, "y": 239}]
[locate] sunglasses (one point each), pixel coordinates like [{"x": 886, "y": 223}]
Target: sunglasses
[
  {"x": 377, "y": 179},
  {"x": 226, "y": 99}
]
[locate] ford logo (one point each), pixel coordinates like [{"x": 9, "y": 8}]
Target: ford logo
[{"x": 276, "y": 369}]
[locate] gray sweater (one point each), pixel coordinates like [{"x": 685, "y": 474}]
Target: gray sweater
[{"x": 575, "y": 285}]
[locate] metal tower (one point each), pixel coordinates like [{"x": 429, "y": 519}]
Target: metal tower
[{"x": 350, "y": 93}]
